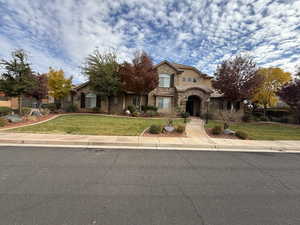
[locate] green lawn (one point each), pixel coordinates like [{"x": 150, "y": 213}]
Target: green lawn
[
  {"x": 93, "y": 125},
  {"x": 264, "y": 131}
]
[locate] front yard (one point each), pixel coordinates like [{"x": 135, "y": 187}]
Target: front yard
[
  {"x": 93, "y": 125},
  {"x": 263, "y": 131}
]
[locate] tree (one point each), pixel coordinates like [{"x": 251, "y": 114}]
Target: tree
[
  {"x": 102, "y": 71},
  {"x": 41, "y": 89},
  {"x": 58, "y": 85},
  {"x": 290, "y": 94},
  {"x": 140, "y": 76},
  {"x": 273, "y": 80},
  {"x": 17, "y": 78},
  {"x": 237, "y": 78}
]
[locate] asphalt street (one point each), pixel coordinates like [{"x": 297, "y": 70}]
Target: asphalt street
[{"x": 143, "y": 187}]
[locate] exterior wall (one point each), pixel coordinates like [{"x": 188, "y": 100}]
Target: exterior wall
[
  {"x": 219, "y": 110},
  {"x": 5, "y": 103},
  {"x": 194, "y": 75},
  {"x": 183, "y": 97}
]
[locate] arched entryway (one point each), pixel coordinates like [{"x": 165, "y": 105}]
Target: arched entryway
[{"x": 193, "y": 105}]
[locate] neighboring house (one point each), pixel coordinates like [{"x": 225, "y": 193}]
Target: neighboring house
[
  {"x": 8, "y": 101},
  {"x": 181, "y": 88}
]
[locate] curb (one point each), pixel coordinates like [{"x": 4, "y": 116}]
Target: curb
[{"x": 145, "y": 145}]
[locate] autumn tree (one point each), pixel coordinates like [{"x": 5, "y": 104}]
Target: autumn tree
[
  {"x": 40, "y": 91},
  {"x": 59, "y": 86},
  {"x": 102, "y": 71},
  {"x": 140, "y": 76},
  {"x": 17, "y": 79},
  {"x": 237, "y": 78},
  {"x": 272, "y": 81},
  {"x": 290, "y": 94}
]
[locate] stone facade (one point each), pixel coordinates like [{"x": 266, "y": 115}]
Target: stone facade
[{"x": 187, "y": 90}]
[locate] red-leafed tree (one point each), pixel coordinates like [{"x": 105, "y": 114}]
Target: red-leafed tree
[
  {"x": 140, "y": 76},
  {"x": 290, "y": 94},
  {"x": 40, "y": 91},
  {"x": 237, "y": 78}
]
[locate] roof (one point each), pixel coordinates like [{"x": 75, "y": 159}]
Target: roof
[
  {"x": 181, "y": 67},
  {"x": 81, "y": 85}
]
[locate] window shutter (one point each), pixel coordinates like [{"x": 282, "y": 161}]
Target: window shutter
[
  {"x": 172, "y": 80},
  {"x": 82, "y": 100}
]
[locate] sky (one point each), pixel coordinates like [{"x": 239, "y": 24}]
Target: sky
[{"x": 201, "y": 33}]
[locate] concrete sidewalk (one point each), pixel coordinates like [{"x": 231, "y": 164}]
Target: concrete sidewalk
[{"x": 154, "y": 142}]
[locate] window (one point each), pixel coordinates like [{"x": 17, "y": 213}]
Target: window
[
  {"x": 91, "y": 100},
  {"x": 164, "y": 80},
  {"x": 194, "y": 80},
  {"x": 116, "y": 100},
  {"x": 135, "y": 100},
  {"x": 237, "y": 106},
  {"x": 163, "y": 102},
  {"x": 189, "y": 79},
  {"x": 183, "y": 79}
]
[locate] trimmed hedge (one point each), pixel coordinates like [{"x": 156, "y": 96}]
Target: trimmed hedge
[
  {"x": 217, "y": 130},
  {"x": 180, "y": 128},
  {"x": 241, "y": 134},
  {"x": 147, "y": 108},
  {"x": 5, "y": 110},
  {"x": 155, "y": 129}
]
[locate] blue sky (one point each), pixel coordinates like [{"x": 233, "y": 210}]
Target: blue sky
[{"x": 203, "y": 33}]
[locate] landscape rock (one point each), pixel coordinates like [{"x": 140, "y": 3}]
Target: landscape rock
[
  {"x": 13, "y": 118},
  {"x": 228, "y": 131},
  {"x": 169, "y": 128}
]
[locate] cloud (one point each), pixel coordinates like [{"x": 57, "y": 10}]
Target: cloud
[{"x": 200, "y": 33}]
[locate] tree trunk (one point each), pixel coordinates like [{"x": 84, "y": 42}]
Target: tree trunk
[
  {"x": 109, "y": 104},
  {"x": 265, "y": 111},
  {"x": 20, "y": 104},
  {"x": 140, "y": 103}
]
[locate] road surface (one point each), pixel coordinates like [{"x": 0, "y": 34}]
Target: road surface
[{"x": 142, "y": 187}]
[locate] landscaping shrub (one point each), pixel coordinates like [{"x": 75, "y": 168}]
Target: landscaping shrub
[
  {"x": 5, "y": 110},
  {"x": 3, "y": 122},
  {"x": 217, "y": 130},
  {"x": 226, "y": 126},
  {"x": 155, "y": 129},
  {"x": 26, "y": 110},
  {"x": 135, "y": 114},
  {"x": 96, "y": 109},
  {"x": 180, "y": 128},
  {"x": 51, "y": 106},
  {"x": 151, "y": 113},
  {"x": 264, "y": 118},
  {"x": 72, "y": 108},
  {"x": 185, "y": 115},
  {"x": 241, "y": 134},
  {"x": 147, "y": 108},
  {"x": 131, "y": 108}
]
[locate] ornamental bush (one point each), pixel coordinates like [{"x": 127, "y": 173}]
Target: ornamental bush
[
  {"x": 241, "y": 134},
  {"x": 155, "y": 129},
  {"x": 217, "y": 130},
  {"x": 180, "y": 128},
  {"x": 5, "y": 111}
]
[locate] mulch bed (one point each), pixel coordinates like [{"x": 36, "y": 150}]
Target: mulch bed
[
  {"x": 28, "y": 122},
  {"x": 165, "y": 134},
  {"x": 226, "y": 136}
]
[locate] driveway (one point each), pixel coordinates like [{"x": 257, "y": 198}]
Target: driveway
[{"x": 136, "y": 187}]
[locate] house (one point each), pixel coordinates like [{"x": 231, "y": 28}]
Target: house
[{"x": 181, "y": 88}]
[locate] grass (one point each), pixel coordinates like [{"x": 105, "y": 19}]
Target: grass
[
  {"x": 94, "y": 125},
  {"x": 263, "y": 131}
]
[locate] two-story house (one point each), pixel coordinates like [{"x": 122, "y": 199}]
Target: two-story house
[{"x": 181, "y": 88}]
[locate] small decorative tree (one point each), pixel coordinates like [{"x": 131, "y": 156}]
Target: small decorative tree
[
  {"x": 59, "y": 86},
  {"x": 102, "y": 71},
  {"x": 41, "y": 90},
  {"x": 17, "y": 78},
  {"x": 140, "y": 76}
]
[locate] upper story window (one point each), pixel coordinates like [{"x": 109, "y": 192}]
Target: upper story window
[
  {"x": 164, "y": 80},
  {"x": 194, "y": 80}
]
